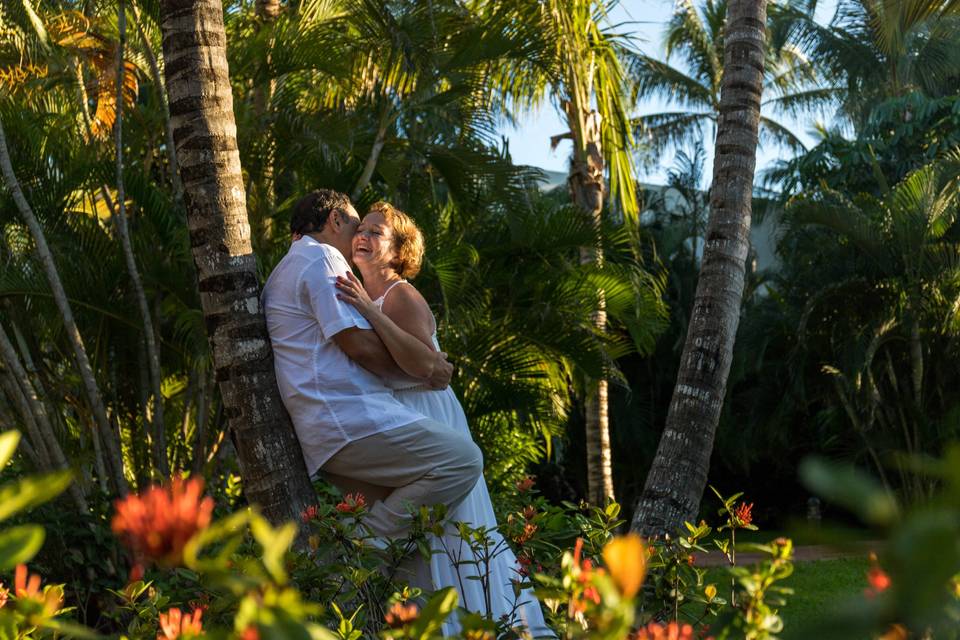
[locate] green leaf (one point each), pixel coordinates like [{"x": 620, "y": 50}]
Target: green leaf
[
  {"x": 31, "y": 492},
  {"x": 850, "y": 488},
  {"x": 433, "y": 614},
  {"x": 72, "y": 629},
  {"x": 275, "y": 543},
  {"x": 19, "y": 545},
  {"x": 8, "y": 444}
]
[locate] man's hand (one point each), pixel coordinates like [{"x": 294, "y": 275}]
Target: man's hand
[{"x": 442, "y": 372}]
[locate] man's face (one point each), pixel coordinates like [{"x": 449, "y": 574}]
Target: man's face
[{"x": 349, "y": 221}]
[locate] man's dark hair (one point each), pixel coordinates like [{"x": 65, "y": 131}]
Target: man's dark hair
[{"x": 312, "y": 210}]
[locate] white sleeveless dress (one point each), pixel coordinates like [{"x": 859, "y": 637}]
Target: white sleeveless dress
[{"x": 453, "y": 561}]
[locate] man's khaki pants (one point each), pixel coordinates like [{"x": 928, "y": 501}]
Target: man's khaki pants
[{"x": 424, "y": 463}]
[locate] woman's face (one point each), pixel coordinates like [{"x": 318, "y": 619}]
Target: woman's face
[{"x": 373, "y": 243}]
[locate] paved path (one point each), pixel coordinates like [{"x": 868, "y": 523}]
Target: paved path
[{"x": 803, "y": 553}]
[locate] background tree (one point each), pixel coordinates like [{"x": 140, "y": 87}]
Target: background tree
[
  {"x": 201, "y": 110},
  {"x": 579, "y": 66},
  {"x": 679, "y": 473},
  {"x": 695, "y": 35}
]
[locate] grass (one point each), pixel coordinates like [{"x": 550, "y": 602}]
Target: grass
[{"x": 819, "y": 588}]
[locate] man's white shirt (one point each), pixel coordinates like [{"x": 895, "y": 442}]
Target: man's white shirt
[{"x": 331, "y": 399}]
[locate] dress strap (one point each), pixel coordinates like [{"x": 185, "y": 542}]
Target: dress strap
[{"x": 383, "y": 297}]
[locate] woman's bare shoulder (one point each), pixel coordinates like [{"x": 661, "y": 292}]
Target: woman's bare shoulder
[{"x": 405, "y": 301}]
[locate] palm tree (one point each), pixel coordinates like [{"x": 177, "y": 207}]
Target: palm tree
[
  {"x": 201, "y": 110},
  {"x": 577, "y": 62},
  {"x": 695, "y": 34},
  {"x": 678, "y": 475},
  {"x": 898, "y": 268},
  {"x": 874, "y": 50}
]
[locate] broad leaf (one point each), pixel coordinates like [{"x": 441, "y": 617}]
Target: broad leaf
[
  {"x": 31, "y": 492},
  {"x": 19, "y": 544}
]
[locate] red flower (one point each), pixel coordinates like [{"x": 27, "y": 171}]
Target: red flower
[
  {"x": 879, "y": 582},
  {"x": 669, "y": 631},
  {"x": 526, "y": 484},
  {"x": 742, "y": 514},
  {"x": 174, "y": 624},
  {"x": 524, "y": 562},
  {"x": 250, "y": 633},
  {"x": 352, "y": 503},
  {"x": 591, "y": 593},
  {"x": 528, "y": 530},
  {"x": 157, "y": 524},
  {"x": 530, "y": 513},
  {"x": 401, "y": 615},
  {"x": 25, "y": 584}
]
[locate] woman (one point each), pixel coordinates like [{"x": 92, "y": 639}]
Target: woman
[{"x": 388, "y": 249}]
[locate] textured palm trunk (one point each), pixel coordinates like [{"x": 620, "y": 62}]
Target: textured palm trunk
[
  {"x": 103, "y": 434},
  {"x": 678, "y": 476},
  {"x": 205, "y": 132},
  {"x": 159, "y": 439},
  {"x": 587, "y": 191}
]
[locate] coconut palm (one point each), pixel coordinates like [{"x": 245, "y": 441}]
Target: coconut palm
[
  {"x": 201, "y": 110},
  {"x": 575, "y": 60},
  {"x": 678, "y": 475},
  {"x": 695, "y": 36},
  {"x": 875, "y": 50}
]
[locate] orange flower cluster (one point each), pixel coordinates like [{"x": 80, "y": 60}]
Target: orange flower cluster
[
  {"x": 157, "y": 524},
  {"x": 352, "y": 503},
  {"x": 401, "y": 615},
  {"x": 743, "y": 513},
  {"x": 309, "y": 513},
  {"x": 670, "y": 631},
  {"x": 528, "y": 530},
  {"x": 26, "y": 586},
  {"x": 526, "y": 484},
  {"x": 174, "y": 624},
  {"x": 578, "y": 605}
]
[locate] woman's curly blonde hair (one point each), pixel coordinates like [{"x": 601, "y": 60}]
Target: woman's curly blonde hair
[{"x": 407, "y": 239}]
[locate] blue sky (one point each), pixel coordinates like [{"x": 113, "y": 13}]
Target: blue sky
[{"x": 645, "y": 20}]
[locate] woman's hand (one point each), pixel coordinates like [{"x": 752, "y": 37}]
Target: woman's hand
[{"x": 351, "y": 291}]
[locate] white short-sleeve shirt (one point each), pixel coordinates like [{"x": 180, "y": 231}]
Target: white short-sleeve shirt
[{"x": 331, "y": 399}]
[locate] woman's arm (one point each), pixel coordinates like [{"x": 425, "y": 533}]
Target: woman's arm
[{"x": 411, "y": 345}]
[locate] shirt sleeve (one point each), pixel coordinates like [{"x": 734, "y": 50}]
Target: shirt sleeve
[{"x": 318, "y": 290}]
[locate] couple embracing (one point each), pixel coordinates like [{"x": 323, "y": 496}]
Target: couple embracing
[{"x": 363, "y": 378}]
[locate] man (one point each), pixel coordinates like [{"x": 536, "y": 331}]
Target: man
[{"x": 331, "y": 368}]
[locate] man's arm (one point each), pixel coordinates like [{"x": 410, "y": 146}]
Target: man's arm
[{"x": 365, "y": 347}]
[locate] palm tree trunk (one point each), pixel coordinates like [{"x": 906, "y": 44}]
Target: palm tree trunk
[
  {"x": 678, "y": 476},
  {"x": 374, "y": 156},
  {"x": 587, "y": 190},
  {"x": 107, "y": 435},
  {"x": 201, "y": 108},
  {"x": 159, "y": 439}
]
